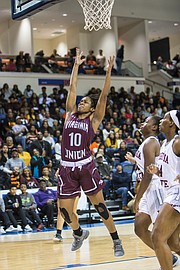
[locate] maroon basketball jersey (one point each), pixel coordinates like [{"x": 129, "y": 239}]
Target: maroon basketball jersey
[{"x": 76, "y": 139}]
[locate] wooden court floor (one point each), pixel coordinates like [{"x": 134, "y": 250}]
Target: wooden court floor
[{"x": 33, "y": 251}]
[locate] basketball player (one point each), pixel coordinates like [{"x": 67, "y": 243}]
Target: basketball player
[
  {"x": 166, "y": 230},
  {"x": 77, "y": 168},
  {"x": 149, "y": 197}
]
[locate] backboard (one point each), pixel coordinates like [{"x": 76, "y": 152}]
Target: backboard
[{"x": 25, "y": 8}]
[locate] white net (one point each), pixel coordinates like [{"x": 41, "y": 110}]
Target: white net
[{"x": 97, "y": 13}]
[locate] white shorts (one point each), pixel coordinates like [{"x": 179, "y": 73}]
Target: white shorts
[
  {"x": 172, "y": 197},
  {"x": 152, "y": 200}
]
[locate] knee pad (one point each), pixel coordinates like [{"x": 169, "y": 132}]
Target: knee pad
[
  {"x": 102, "y": 210},
  {"x": 65, "y": 215}
]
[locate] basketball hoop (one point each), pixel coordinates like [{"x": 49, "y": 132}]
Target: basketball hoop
[{"x": 97, "y": 13}]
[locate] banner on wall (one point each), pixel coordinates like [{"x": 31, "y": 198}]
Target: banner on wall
[{"x": 53, "y": 82}]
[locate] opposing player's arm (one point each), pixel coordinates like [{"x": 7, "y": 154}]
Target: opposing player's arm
[
  {"x": 71, "y": 98},
  {"x": 150, "y": 151},
  {"x": 101, "y": 105}
]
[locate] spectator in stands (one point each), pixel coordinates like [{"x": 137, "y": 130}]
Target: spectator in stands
[
  {"x": 45, "y": 101},
  {"x": 132, "y": 93},
  {"x": 6, "y": 91},
  {"x": 20, "y": 62},
  {"x": 24, "y": 155},
  {"x": 91, "y": 56},
  {"x": 37, "y": 163},
  {"x": 119, "y": 59},
  {"x": 45, "y": 126},
  {"x": 11, "y": 65},
  {"x": 121, "y": 152},
  {"x": 106, "y": 130},
  {"x": 10, "y": 144},
  {"x": 48, "y": 138},
  {"x": 159, "y": 63},
  {"x": 27, "y": 62},
  {"x": 28, "y": 91},
  {"x": 137, "y": 138},
  {"x": 106, "y": 158},
  {"x": 13, "y": 206},
  {"x": 111, "y": 143},
  {"x": 30, "y": 208},
  {"x": 95, "y": 144},
  {"x": 31, "y": 135},
  {"x": 101, "y": 59},
  {"x": 20, "y": 131},
  {"x": 118, "y": 136},
  {"x": 120, "y": 182},
  {"x": 45, "y": 176},
  {"x": 37, "y": 122},
  {"x": 46, "y": 201},
  {"x": 4, "y": 154},
  {"x": 57, "y": 149},
  {"x": 43, "y": 146},
  {"x": 176, "y": 99},
  {"x": 39, "y": 57},
  {"x": 4, "y": 218},
  {"x": 170, "y": 68},
  {"x": 15, "y": 161},
  {"x": 53, "y": 167},
  {"x": 43, "y": 91},
  {"x": 16, "y": 90},
  {"x": 105, "y": 173},
  {"x": 15, "y": 177},
  {"x": 28, "y": 179}
]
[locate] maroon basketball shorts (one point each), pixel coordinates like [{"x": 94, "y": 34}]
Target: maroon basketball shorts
[{"x": 72, "y": 179}]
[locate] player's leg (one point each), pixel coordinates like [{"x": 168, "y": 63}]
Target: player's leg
[
  {"x": 67, "y": 212},
  {"x": 166, "y": 224},
  {"x": 59, "y": 225},
  {"x": 174, "y": 240},
  {"x": 141, "y": 228},
  {"x": 98, "y": 201}
]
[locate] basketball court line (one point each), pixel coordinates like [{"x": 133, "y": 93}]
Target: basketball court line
[{"x": 103, "y": 263}]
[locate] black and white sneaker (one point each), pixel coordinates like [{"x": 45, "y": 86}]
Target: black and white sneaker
[
  {"x": 78, "y": 240},
  {"x": 118, "y": 249},
  {"x": 57, "y": 238}
]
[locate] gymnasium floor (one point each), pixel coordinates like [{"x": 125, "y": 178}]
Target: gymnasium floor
[{"x": 31, "y": 251}]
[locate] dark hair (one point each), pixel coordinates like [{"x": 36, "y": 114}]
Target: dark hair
[
  {"x": 23, "y": 184},
  {"x": 94, "y": 99},
  {"x": 12, "y": 185},
  {"x": 178, "y": 115},
  {"x": 156, "y": 120},
  {"x": 42, "y": 180}
]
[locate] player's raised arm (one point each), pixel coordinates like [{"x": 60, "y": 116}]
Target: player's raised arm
[
  {"x": 101, "y": 105},
  {"x": 71, "y": 98}
]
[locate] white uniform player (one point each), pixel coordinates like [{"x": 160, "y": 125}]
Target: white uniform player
[
  {"x": 169, "y": 168},
  {"x": 152, "y": 199}
]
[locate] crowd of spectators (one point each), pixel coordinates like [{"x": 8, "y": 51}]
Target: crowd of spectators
[
  {"x": 172, "y": 67},
  {"x": 93, "y": 64},
  {"x": 31, "y": 132},
  {"x": 56, "y": 63}
]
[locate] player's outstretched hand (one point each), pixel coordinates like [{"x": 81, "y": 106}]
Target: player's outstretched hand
[
  {"x": 79, "y": 59},
  {"x": 110, "y": 63}
]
